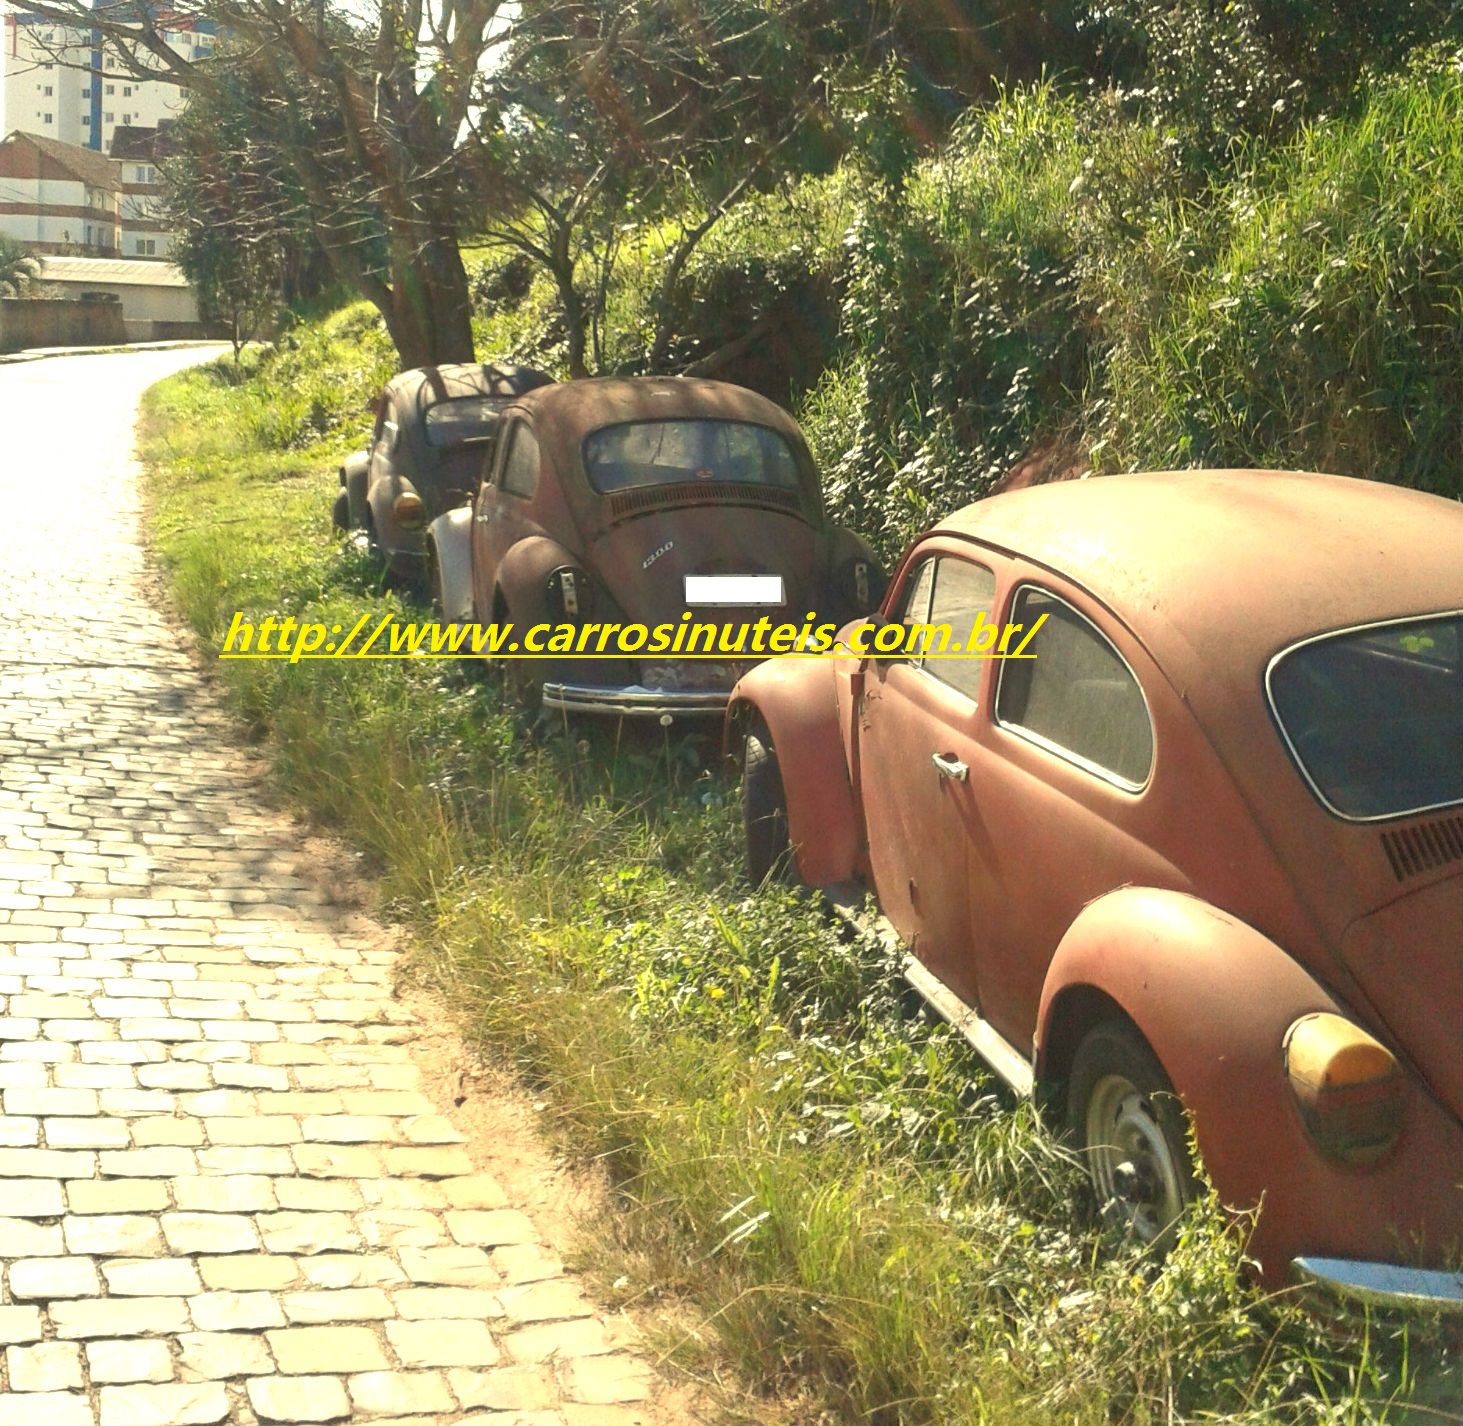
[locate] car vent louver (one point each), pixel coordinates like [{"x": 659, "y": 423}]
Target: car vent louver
[
  {"x": 719, "y": 492},
  {"x": 1414, "y": 850}
]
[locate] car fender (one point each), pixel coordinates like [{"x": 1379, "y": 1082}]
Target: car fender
[
  {"x": 796, "y": 699},
  {"x": 1212, "y": 996},
  {"x": 523, "y": 578},
  {"x": 354, "y": 473},
  {"x": 449, "y": 537},
  {"x": 845, "y": 547}
]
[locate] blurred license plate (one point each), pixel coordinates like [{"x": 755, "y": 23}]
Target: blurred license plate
[
  {"x": 691, "y": 676},
  {"x": 734, "y": 590}
]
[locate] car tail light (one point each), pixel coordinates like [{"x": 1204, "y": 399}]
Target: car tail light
[
  {"x": 1348, "y": 1085},
  {"x": 408, "y": 509}
]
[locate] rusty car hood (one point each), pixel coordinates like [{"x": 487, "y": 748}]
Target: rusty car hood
[
  {"x": 645, "y": 560},
  {"x": 1408, "y": 960}
]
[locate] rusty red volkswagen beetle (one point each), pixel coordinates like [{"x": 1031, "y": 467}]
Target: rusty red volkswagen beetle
[
  {"x": 1200, "y": 848},
  {"x": 607, "y": 499}
]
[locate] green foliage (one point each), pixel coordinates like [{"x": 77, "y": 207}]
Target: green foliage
[
  {"x": 1324, "y": 331},
  {"x": 17, "y": 267}
]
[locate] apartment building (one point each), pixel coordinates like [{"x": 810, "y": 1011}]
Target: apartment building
[
  {"x": 66, "y": 84},
  {"x": 59, "y": 198}
]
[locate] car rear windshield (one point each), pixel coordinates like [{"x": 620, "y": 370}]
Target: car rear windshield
[
  {"x": 644, "y": 453},
  {"x": 462, "y": 419},
  {"x": 1374, "y": 717}
]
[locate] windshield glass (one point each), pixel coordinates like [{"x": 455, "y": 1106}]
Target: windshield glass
[
  {"x": 462, "y": 419},
  {"x": 676, "y": 452},
  {"x": 1375, "y": 717}
]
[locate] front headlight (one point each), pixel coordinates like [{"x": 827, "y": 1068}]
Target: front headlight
[
  {"x": 1348, "y": 1085},
  {"x": 409, "y": 510}
]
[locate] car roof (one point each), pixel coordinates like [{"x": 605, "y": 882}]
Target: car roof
[
  {"x": 565, "y": 414},
  {"x": 1218, "y": 570},
  {"x": 426, "y": 385}
]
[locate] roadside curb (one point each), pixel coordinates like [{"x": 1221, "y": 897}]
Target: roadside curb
[{"x": 41, "y": 353}]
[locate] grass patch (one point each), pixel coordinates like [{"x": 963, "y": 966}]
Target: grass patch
[{"x": 829, "y": 1181}]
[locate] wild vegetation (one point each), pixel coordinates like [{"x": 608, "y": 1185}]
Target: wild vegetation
[{"x": 1212, "y": 234}]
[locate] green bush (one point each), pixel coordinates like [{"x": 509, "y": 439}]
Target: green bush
[{"x": 1325, "y": 332}]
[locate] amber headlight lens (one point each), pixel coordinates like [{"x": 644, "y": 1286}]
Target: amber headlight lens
[
  {"x": 408, "y": 509},
  {"x": 1348, "y": 1086}
]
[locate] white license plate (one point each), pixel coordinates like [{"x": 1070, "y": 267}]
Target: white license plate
[{"x": 733, "y": 590}]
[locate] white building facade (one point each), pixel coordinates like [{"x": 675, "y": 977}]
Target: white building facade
[{"x": 65, "y": 84}]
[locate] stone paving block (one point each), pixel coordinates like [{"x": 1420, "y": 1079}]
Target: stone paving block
[
  {"x": 121, "y": 1235},
  {"x": 151, "y": 1277},
  {"x": 210, "y": 1232},
  {"x": 551, "y": 1301},
  {"x": 388, "y": 1393},
  {"x": 491, "y": 1228},
  {"x": 45, "y": 1279},
  {"x": 442, "y": 1342},
  {"x": 449, "y": 1267},
  {"x": 249, "y": 1272},
  {"x": 141, "y": 1359},
  {"x": 299, "y": 1398},
  {"x": 116, "y": 1197},
  {"x": 217, "y": 1356},
  {"x": 20, "y": 1238},
  {"x": 601, "y": 1380},
  {"x": 20, "y": 1324},
  {"x": 31, "y": 1198},
  {"x": 548, "y": 1341},
  {"x": 305, "y": 1233},
  {"x": 87, "y": 1134},
  {"x": 426, "y": 1302},
  {"x": 349, "y": 1304},
  {"x": 119, "y": 1316},
  {"x": 149, "y": 1163},
  {"x": 511, "y": 1389},
  {"x": 175, "y": 1404},
  {"x": 302, "y": 1351},
  {"x": 229, "y": 1311},
  {"x": 53, "y": 1408},
  {"x": 47, "y": 1366}
]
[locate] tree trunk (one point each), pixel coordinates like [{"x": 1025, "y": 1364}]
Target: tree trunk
[{"x": 430, "y": 316}]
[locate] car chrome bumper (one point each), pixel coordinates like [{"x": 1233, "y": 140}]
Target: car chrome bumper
[
  {"x": 635, "y": 701},
  {"x": 1382, "y": 1284}
]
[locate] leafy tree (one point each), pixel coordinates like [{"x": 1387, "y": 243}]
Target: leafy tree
[
  {"x": 394, "y": 86},
  {"x": 17, "y": 267}
]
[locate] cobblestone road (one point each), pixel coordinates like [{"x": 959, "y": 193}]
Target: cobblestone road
[{"x": 225, "y": 1196}]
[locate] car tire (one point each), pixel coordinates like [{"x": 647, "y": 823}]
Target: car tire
[
  {"x": 1128, "y": 1123},
  {"x": 340, "y": 514},
  {"x": 764, "y": 810}
]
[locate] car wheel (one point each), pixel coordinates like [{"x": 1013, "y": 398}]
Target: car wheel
[
  {"x": 340, "y": 514},
  {"x": 764, "y": 810},
  {"x": 1125, "y": 1117}
]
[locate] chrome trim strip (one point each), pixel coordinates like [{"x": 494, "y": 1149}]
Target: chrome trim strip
[
  {"x": 634, "y": 701},
  {"x": 1382, "y": 1284},
  {"x": 1295, "y": 757},
  {"x": 999, "y": 1053}
]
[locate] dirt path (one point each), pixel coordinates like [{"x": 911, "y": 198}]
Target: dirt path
[{"x": 226, "y": 1195}]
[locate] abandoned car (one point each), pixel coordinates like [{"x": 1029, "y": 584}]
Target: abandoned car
[
  {"x": 607, "y": 496},
  {"x": 433, "y": 434},
  {"x": 1199, "y": 848}
]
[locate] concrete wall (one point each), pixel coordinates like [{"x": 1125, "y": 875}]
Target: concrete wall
[{"x": 44, "y": 322}]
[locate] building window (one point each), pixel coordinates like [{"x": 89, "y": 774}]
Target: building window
[
  {"x": 126, "y": 91},
  {"x": 48, "y": 91},
  {"x": 147, "y": 247},
  {"x": 111, "y": 89},
  {"x": 108, "y": 117},
  {"x": 86, "y": 93},
  {"x": 126, "y": 118},
  {"x": 46, "y": 119},
  {"x": 86, "y": 121}
]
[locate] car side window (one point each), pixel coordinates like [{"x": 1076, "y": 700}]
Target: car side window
[
  {"x": 520, "y": 461},
  {"x": 1074, "y": 694},
  {"x": 964, "y": 592}
]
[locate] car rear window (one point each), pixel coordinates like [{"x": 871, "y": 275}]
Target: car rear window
[
  {"x": 1374, "y": 717},
  {"x": 462, "y": 419},
  {"x": 642, "y": 453}
]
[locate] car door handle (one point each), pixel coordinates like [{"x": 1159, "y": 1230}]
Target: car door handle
[{"x": 948, "y": 766}]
